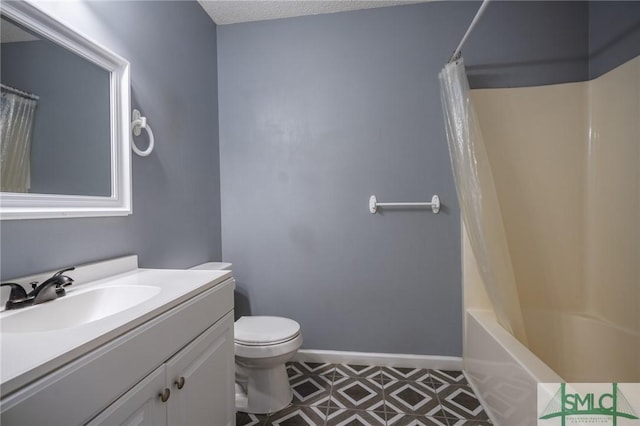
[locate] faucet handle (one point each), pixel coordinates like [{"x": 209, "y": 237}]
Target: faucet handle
[{"x": 57, "y": 274}]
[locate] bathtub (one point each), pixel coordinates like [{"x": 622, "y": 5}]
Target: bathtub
[{"x": 504, "y": 372}]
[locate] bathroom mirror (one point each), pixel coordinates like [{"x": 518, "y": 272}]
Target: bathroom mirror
[{"x": 65, "y": 120}]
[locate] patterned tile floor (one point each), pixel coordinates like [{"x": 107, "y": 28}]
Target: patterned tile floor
[{"x": 337, "y": 395}]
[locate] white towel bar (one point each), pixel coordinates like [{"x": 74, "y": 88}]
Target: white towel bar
[{"x": 434, "y": 204}]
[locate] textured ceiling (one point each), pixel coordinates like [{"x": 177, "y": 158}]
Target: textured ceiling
[{"x": 233, "y": 11}]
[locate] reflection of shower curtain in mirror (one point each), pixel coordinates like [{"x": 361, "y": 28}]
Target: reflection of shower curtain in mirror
[{"x": 16, "y": 124}]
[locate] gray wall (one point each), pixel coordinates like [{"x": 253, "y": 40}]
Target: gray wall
[
  {"x": 318, "y": 113},
  {"x": 527, "y": 43},
  {"x": 176, "y": 201},
  {"x": 614, "y": 34},
  {"x": 70, "y": 146}
]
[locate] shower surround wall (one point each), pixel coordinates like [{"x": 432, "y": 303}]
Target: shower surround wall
[
  {"x": 565, "y": 160},
  {"x": 317, "y": 114},
  {"x": 176, "y": 201}
]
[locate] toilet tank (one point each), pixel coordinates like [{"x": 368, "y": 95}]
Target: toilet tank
[{"x": 212, "y": 266}]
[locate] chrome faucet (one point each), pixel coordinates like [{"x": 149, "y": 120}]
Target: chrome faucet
[{"x": 50, "y": 289}]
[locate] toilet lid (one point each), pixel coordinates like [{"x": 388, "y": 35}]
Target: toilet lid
[{"x": 264, "y": 330}]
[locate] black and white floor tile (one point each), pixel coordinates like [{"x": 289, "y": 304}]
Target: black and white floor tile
[
  {"x": 311, "y": 390},
  {"x": 412, "y": 398},
  {"x": 390, "y": 374},
  {"x": 357, "y": 394},
  {"x": 364, "y": 395}
]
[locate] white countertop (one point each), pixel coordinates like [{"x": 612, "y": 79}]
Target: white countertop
[{"x": 26, "y": 356}]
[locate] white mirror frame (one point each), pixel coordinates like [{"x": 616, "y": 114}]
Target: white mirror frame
[{"x": 40, "y": 206}]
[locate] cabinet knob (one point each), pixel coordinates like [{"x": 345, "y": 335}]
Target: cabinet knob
[
  {"x": 164, "y": 396},
  {"x": 180, "y": 382}
]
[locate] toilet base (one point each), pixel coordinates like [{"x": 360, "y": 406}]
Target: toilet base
[{"x": 262, "y": 390}]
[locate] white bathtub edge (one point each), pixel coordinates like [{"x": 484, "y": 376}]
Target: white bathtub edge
[
  {"x": 503, "y": 373},
  {"x": 533, "y": 365},
  {"x": 484, "y": 403}
]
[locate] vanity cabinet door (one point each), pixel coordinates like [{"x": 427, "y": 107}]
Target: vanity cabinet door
[
  {"x": 201, "y": 378},
  {"x": 140, "y": 406}
]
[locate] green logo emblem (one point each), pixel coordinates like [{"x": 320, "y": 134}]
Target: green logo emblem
[{"x": 613, "y": 405}]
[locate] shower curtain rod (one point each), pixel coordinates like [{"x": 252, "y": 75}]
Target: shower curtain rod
[
  {"x": 458, "y": 52},
  {"x": 20, "y": 92}
]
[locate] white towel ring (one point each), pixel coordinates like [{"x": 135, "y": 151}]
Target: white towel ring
[{"x": 139, "y": 122}]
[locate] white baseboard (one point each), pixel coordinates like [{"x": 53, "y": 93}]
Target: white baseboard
[{"x": 384, "y": 360}]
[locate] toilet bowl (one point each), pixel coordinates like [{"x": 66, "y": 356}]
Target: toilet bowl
[{"x": 263, "y": 344}]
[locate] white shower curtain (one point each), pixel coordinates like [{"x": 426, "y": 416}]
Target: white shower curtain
[
  {"x": 478, "y": 199},
  {"x": 16, "y": 123}
]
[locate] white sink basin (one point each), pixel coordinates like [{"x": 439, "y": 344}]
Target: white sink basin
[
  {"x": 108, "y": 299},
  {"x": 77, "y": 308}
]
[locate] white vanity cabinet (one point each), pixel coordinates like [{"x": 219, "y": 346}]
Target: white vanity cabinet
[
  {"x": 192, "y": 388},
  {"x": 140, "y": 406},
  {"x": 121, "y": 380},
  {"x": 201, "y": 379}
]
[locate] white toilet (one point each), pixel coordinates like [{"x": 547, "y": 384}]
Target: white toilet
[{"x": 263, "y": 344}]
